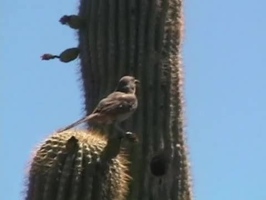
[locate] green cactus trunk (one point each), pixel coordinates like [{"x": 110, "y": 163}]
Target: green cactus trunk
[{"x": 141, "y": 38}]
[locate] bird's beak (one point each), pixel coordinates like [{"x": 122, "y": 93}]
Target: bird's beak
[{"x": 137, "y": 82}]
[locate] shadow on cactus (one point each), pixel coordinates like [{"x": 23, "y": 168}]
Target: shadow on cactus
[{"x": 71, "y": 165}]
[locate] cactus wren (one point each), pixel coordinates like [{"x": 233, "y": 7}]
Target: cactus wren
[{"x": 115, "y": 108}]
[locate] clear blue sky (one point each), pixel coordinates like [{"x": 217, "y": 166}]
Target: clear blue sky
[{"x": 224, "y": 56}]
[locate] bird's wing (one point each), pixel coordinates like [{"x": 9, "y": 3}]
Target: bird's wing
[{"x": 117, "y": 103}]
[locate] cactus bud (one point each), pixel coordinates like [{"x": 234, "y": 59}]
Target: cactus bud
[
  {"x": 73, "y": 21},
  {"x": 69, "y": 55},
  {"x": 66, "y": 56}
]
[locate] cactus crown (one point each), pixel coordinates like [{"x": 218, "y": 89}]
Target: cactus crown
[{"x": 68, "y": 166}]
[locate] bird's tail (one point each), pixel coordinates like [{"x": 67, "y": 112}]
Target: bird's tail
[{"x": 84, "y": 119}]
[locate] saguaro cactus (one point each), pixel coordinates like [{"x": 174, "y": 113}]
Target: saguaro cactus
[{"x": 140, "y": 38}]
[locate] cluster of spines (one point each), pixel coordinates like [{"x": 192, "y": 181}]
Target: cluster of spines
[{"x": 68, "y": 166}]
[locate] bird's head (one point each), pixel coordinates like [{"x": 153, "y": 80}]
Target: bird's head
[{"x": 127, "y": 84}]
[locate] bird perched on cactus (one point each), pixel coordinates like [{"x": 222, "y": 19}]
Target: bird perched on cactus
[{"x": 115, "y": 108}]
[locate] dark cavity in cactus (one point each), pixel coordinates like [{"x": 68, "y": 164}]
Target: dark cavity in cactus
[{"x": 159, "y": 164}]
